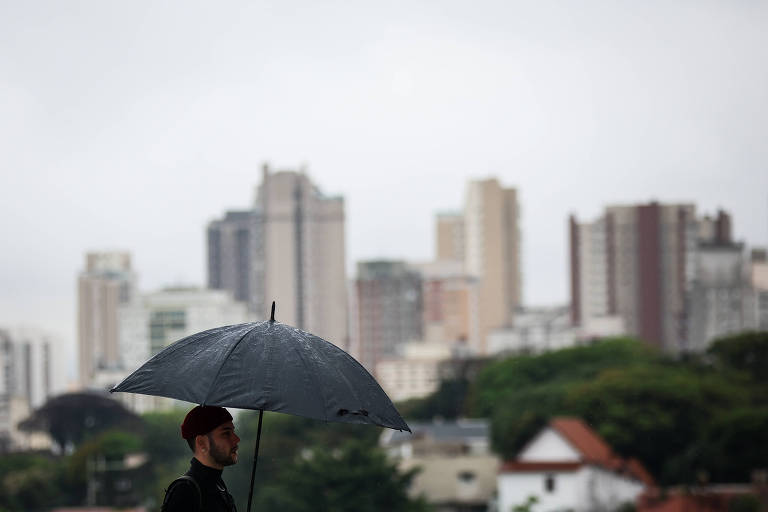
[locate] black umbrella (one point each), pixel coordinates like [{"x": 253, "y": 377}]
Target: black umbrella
[{"x": 266, "y": 366}]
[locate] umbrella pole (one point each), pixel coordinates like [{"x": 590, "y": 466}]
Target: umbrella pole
[{"x": 255, "y": 459}]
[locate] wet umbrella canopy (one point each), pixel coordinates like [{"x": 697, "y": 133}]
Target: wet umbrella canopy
[{"x": 266, "y": 366}]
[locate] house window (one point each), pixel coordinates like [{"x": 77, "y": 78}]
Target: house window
[
  {"x": 549, "y": 483},
  {"x": 466, "y": 476}
]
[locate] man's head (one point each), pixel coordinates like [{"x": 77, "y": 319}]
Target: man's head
[{"x": 211, "y": 436}]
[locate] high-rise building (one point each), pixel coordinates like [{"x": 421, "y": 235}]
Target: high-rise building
[
  {"x": 389, "y": 310},
  {"x": 105, "y": 284},
  {"x": 720, "y": 293},
  {"x": 290, "y": 248},
  {"x": 492, "y": 253},
  {"x": 675, "y": 280},
  {"x": 236, "y": 259},
  {"x": 25, "y": 383},
  {"x": 305, "y": 254}
]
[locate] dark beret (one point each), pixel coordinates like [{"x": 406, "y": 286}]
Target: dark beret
[{"x": 203, "y": 419}]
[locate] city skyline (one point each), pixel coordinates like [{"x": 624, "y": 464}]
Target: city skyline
[{"x": 124, "y": 128}]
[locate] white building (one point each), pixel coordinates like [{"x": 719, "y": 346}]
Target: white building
[
  {"x": 567, "y": 466},
  {"x": 533, "y": 331},
  {"x": 26, "y": 381},
  {"x": 536, "y": 330},
  {"x": 157, "y": 319},
  {"x": 718, "y": 301}
]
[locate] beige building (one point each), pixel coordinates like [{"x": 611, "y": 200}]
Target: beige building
[
  {"x": 485, "y": 240},
  {"x": 105, "y": 284},
  {"x": 756, "y": 305},
  {"x": 414, "y": 374},
  {"x": 457, "y": 472},
  {"x": 449, "y": 239},
  {"x": 450, "y": 303},
  {"x": 304, "y": 254},
  {"x": 492, "y": 253}
]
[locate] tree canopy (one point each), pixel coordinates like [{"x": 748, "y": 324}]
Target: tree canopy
[
  {"x": 681, "y": 418},
  {"x": 71, "y": 418}
]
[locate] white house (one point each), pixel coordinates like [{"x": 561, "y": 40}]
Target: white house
[{"x": 568, "y": 466}]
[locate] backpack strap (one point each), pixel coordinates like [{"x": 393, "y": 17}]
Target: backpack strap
[{"x": 183, "y": 478}]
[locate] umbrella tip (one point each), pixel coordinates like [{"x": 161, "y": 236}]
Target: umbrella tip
[{"x": 272, "y": 316}]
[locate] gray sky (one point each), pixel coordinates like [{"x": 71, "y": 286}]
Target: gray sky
[{"x": 129, "y": 125}]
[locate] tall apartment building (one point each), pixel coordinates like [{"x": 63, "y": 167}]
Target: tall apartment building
[
  {"x": 25, "y": 383},
  {"x": 236, "y": 259},
  {"x": 106, "y": 283},
  {"x": 486, "y": 238},
  {"x": 389, "y": 310},
  {"x": 290, "y": 248},
  {"x": 720, "y": 295},
  {"x": 492, "y": 250},
  {"x": 675, "y": 280}
]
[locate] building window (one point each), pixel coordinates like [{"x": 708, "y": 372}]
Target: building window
[
  {"x": 549, "y": 483},
  {"x": 466, "y": 476}
]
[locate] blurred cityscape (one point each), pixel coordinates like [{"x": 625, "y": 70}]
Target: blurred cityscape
[{"x": 666, "y": 274}]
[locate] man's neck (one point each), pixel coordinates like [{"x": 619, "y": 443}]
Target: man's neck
[{"x": 207, "y": 461}]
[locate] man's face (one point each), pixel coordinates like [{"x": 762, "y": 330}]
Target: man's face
[{"x": 223, "y": 444}]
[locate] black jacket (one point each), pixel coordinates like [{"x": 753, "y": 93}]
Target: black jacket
[{"x": 183, "y": 496}]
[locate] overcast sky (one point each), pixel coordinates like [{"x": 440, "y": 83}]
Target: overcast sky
[{"x": 130, "y": 125}]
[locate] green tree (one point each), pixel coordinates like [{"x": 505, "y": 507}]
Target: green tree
[
  {"x": 654, "y": 413},
  {"x": 449, "y": 401},
  {"x": 733, "y": 444},
  {"x": 73, "y": 417},
  {"x": 354, "y": 477},
  {"x": 520, "y": 394},
  {"x": 745, "y": 352},
  {"x": 504, "y": 379},
  {"x": 108, "y": 447},
  {"x": 678, "y": 417},
  {"x": 284, "y": 437},
  {"x": 29, "y": 482}
]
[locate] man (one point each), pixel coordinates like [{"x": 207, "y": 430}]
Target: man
[{"x": 211, "y": 437}]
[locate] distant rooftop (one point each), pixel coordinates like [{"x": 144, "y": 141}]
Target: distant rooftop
[{"x": 442, "y": 431}]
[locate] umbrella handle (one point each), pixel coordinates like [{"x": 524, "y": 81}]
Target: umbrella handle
[{"x": 255, "y": 458}]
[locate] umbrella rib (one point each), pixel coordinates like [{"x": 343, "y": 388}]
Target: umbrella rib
[
  {"x": 346, "y": 381},
  {"x": 224, "y": 361}
]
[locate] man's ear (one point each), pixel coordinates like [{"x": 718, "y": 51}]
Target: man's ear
[{"x": 201, "y": 443}]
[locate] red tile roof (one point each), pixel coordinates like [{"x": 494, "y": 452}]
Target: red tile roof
[
  {"x": 585, "y": 440},
  {"x": 593, "y": 449}
]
